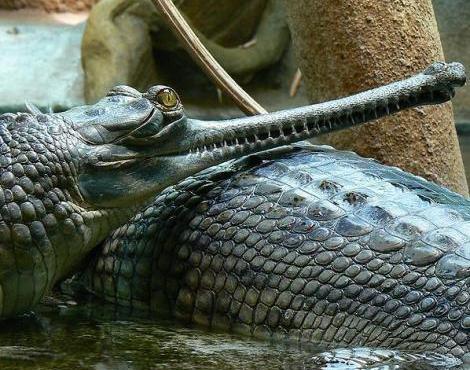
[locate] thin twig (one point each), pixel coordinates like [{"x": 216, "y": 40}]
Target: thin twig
[
  {"x": 295, "y": 84},
  {"x": 206, "y": 61}
]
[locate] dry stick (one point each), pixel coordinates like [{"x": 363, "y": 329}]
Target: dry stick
[
  {"x": 295, "y": 84},
  {"x": 206, "y": 61}
]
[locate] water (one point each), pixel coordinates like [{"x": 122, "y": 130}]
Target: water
[{"x": 95, "y": 336}]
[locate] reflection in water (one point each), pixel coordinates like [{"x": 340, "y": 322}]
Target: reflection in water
[
  {"x": 94, "y": 336},
  {"x": 368, "y": 358},
  {"x": 89, "y": 337}
]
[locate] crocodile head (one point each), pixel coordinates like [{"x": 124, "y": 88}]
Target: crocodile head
[
  {"x": 137, "y": 144},
  {"x": 68, "y": 179}
]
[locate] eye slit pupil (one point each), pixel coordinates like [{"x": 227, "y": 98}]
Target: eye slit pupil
[{"x": 167, "y": 98}]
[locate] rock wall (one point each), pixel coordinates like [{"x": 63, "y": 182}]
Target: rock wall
[{"x": 49, "y": 5}]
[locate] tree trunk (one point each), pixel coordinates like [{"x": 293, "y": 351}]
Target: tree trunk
[{"x": 345, "y": 46}]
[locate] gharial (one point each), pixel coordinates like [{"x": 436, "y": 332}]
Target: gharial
[{"x": 299, "y": 241}]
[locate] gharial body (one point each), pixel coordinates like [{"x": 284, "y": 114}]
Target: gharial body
[{"x": 304, "y": 242}]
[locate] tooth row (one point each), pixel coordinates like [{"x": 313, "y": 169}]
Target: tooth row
[{"x": 319, "y": 125}]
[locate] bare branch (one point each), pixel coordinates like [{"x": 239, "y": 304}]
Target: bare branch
[
  {"x": 295, "y": 84},
  {"x": 205, "y": 60}
]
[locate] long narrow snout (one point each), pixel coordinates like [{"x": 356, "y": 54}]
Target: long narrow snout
[
  {"x": 230, "y": 138},
  {"x": 196, "y": 145}
]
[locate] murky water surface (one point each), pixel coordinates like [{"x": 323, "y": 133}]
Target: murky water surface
[{"x": 93, "y": 336}]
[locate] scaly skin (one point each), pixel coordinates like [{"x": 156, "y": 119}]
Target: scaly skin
[
  {"x": 68, "y": 179},
  {"x": 318, "y": 245},
  {"x": 45, "y": 226}
]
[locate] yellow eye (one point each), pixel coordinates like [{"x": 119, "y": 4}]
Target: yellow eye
[{"x": 167, "y": 98}]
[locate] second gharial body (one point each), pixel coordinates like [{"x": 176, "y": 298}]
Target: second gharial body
[{"x": 302, "y": 242}]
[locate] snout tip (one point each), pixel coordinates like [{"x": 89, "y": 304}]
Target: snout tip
[
  {"x": 451, "y": 74},
  {"x": 458, "y": 72}
]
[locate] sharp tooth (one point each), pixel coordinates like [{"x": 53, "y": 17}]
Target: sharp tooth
[
  {"x": 352, "y": 119},
  {"x": 214, "y": 146},
  {"x": 387, "y": 109},
  {"x": 225, "y": 143},
  {"x": 236, "y": 141}
]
